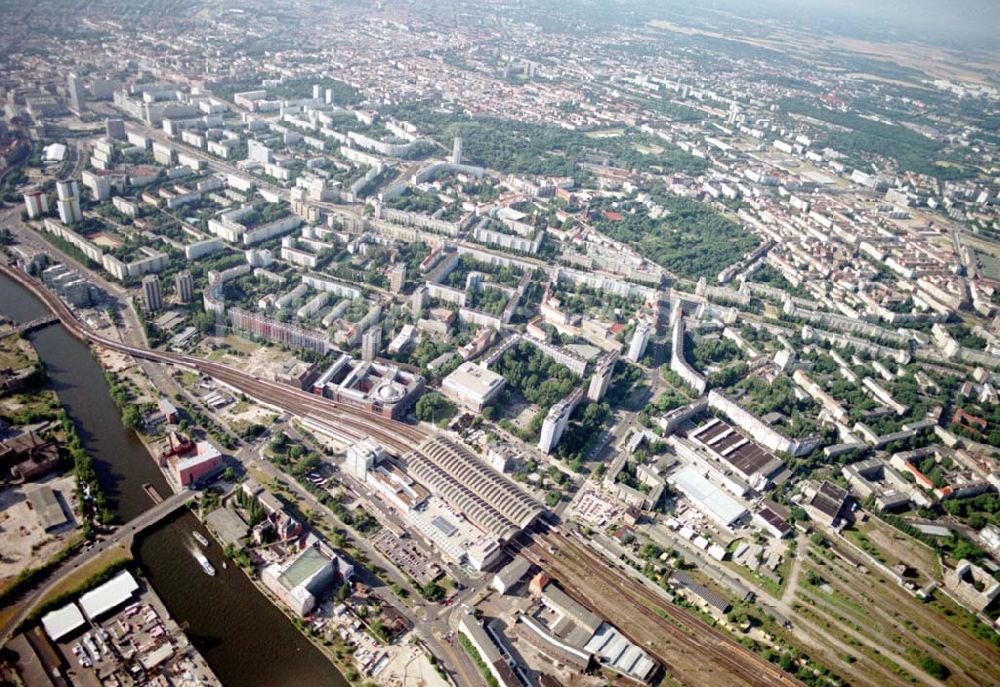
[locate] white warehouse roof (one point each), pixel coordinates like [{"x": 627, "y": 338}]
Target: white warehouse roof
[
  {"x": 112, "y": 593},
  {"x": 62, "y": 621},
  {"x": 708, "y": 498}
]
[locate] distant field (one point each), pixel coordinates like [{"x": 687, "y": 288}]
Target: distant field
[
  {"x": 989, "y": 265},
  {"x": 605, "y": 133}
]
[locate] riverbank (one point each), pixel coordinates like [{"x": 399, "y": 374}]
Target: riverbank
[
  {"x": 244, "y": 638},
  {"x": 159, "y": 647}
]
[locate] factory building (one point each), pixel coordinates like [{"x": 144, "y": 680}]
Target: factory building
[
  {"x": 582, "y": 635},
  {"x": 737, "y": 453},
  {"x": 490, "y": 654},
  {"x": 708, "y": 498},
  {"x": 300, "y": 580},
  {"x": 200, "y": 464}
]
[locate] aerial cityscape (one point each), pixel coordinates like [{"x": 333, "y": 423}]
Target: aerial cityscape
[{"x": 517, "y": 343}]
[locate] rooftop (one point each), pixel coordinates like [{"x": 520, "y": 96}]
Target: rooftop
[
  {"x": 115, "y": 592},
  {"x": 708, "y": 497},
  {"x": 302, "y": 568},
  {"x": 731, "y": 446},
  {"x": 45, "y": 502},
  {"x": 62, "y": 621},
  {"x": 474, "y": 379}
]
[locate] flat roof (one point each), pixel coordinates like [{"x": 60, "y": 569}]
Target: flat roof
[
  {"x": 62, "y": 621},
  {"x": 300, "y": 570},
  {"x": 446, "y": 527},
  {"x": 157, "y": 656},
  {"x": 514, "y": 571},
  {"x": 112, "y": 593},
  {"x": 54, "y": 151},
  {"x": 229, "y": 526},
  {"x": 206, "y": 454},
  {"x": 473, "y": 379},
  {"x": 708, "y": 497}
]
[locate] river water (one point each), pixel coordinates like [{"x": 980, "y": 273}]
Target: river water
[{"x": 245, "y": 639}]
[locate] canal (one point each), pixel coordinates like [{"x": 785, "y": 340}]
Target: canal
[{"x": 245, "y": 639}]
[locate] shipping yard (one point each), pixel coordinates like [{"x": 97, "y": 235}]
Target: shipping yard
[{"x": 120, "y": 634}]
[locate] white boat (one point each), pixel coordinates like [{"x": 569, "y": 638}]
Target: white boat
[
  {"x": 204, "y": 563},
  {"x": 200, "y": 538}
]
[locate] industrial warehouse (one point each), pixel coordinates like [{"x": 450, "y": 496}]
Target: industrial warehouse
[
  {"x": 491, "y": 500},
  {"x": 515, "y": 344},
  {"x": 449, "y": 495}
]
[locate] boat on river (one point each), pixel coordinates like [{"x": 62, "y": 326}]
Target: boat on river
[{"x": 204, "y": 563}]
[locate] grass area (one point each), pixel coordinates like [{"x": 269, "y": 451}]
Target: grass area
[
  {"x": 188, "y": 379},
  {"x": 833, "y": 597},
  {"x": 16, "y": 353},
  {"x": 895, "y": 544},
  {"x": 478, "y": 660},
  {"x": 648, "y": 149},
  {"x": 30, "y": 406},
  {"x": 896, "y": 625},
  {"x": 240, "y": 407},
  {"x": 241, "y": 345},
  {"x": 773, "y": 588},
  {"x": 963, "y": 619},
  {"x": 604, "y": 133},
  {"x": 867, "y": 652},
  {"x": 80, "y": 575},
  {"x": 814, "y": 596},
  {"x": 13, "y": 585},
  {"x": 865, "y": 544}
]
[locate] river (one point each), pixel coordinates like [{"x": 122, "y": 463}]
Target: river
[{"x": 245, "y": 639}]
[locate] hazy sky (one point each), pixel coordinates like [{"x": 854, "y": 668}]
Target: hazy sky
[{"x": 976, "y": 20}]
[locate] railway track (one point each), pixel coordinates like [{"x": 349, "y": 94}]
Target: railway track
[
  {"x": 579, "y": 568},
  {"x": 392, "y": 433},
  {"x": 689, "y": 649}
]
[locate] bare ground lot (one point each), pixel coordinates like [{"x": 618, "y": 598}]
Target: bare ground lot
[{"x": 23, "y": 542}]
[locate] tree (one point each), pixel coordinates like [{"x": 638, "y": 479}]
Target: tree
[
  {"x": 132, "y": 417},
  {"x": 433, "y": 407},
  {"x": 934, "y": 668},
  {"x": 432, "y": 591}
]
